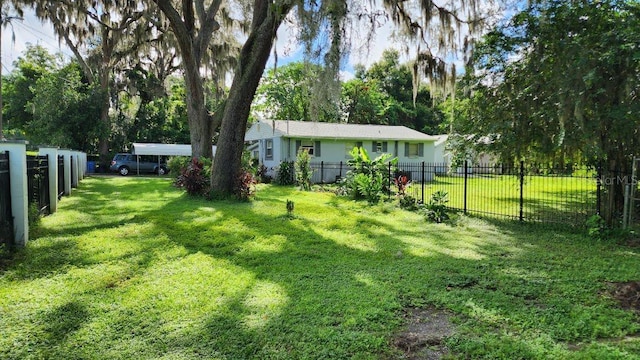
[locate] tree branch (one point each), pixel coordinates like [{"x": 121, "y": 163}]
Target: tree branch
[
  {"x": 180, "y": 29},
  {"x": 209, "y": 25}
]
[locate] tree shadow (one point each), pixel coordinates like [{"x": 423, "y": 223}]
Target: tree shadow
[{"x": 315, "y": 286}]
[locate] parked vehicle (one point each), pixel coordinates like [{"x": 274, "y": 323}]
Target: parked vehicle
[{"x": 124, "y": 164}]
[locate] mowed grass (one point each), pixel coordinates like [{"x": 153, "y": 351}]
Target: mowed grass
[
  {"x": 131, "y": 268},
  {"x": 559, "y": 199}
]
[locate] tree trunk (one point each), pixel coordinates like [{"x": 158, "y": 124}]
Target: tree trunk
[
  {"x": 253, "y": 59},
  {"x": 103, "y": 141},
  {"x": 199, "y": 119}
]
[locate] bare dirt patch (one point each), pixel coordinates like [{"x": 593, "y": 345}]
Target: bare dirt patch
[
  {"x": 627, "y": 294},
  {"x": 424, "y": 335}
]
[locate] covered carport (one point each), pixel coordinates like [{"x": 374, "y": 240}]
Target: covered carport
[
  {"x": 163, "y": 149},
  {"x": 159, "y": 150}
]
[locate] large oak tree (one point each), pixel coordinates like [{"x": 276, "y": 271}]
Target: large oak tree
[{"x": 561, "y": 82}]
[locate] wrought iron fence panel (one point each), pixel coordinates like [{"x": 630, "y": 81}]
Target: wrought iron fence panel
[
  {"x": 568, "y": 194},
  {"x": 60, "y": 176},
  {"x": 38, "y": 182},
  {"x": 6, "y": 216}
]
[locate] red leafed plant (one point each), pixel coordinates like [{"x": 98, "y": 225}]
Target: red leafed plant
[
  {"x": 193, "y": 179},
  {"x": 244, "y": 185},
  {"x": 402, "y": 182}
]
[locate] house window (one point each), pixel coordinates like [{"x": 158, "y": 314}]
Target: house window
[
  {"x": 309, "y": 146},
  {"x": 378, "y": 146},
  {"x": 349, "y": 147},
  {"x": 413, "y": 150},
  {"x": 268, "y": 153}
]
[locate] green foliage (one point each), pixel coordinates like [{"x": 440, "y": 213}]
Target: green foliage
[
  {"x": 408, "y": 202},
  {"x": 303, "y": 169},
  {"x": 193, "y": 178},
  {"x": 249, "y": 163},
  {"x": 151, "y": 259},
  {"x": 286, "y": 173},
  {"x": 368, "y": 187},
  {"x": 244, "y": 186},
  {"x": 33, "y": 214},
  {"x": 18, "y": 87},
  {"x": 152, "y": 114},
  {"x": 65, "y": 112},
  {"x": 290, "y": 207},
  {"x": 286, "y": 92},
  {"x": 364, "y": 102},
  {"x": 575, "y": 84},
  {"x": 384, "y": 94},
  {"x": 176, "y": 164},
  {"x": 6, "y": 237},
  {"x": 596, "y": 226},
  {"x": 436, "y": 210},
  {"x": 368, "y": 179},
  {"x": 262, "y": 174}
]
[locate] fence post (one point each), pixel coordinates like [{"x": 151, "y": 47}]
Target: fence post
[
  {"x": 423, "y": 181},
  {"x": 321, "y": 172},
  {"x": 340, "y": 170},
  {"x": 52, "y": 154},
  {"x": 389, "y": 182},
  {"x": 19, "y": 192},
  {"x": 66, "y": 154},
  {"x": 75, "y": 174},
  {"x": 521, "y": 215},
  {"x": 599, "y": 189},
  {"x": 625, "y": 210},
  {"x": 466, "y": 173}
]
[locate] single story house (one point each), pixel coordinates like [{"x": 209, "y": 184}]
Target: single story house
[
  {"x": 480, "y": 162},
  {"x": 275, "y": 141},
  {"x": 441, "y": 156}
]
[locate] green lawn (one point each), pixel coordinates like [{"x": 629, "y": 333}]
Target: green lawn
[
  {"x": 560, "y": 199},
  {"x": 131, "y": 268}
]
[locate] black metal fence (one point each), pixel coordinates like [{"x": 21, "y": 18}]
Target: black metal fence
[
  {"x": 567, "y": 195},
  {"x": 60, "y": 176},
  {"x": 73, "y": 173},
  {"x": 38, "y": 182},
  {"x": 6, "y": 216}
]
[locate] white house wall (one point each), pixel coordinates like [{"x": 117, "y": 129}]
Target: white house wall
[
  {"x": 336, "y": 151},
  {"x": 332, "y": 152}
]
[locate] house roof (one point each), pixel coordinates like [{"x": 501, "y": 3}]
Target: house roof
[
  {"x": 320, "y": 130},
  {"x": 441, "y": 139}
]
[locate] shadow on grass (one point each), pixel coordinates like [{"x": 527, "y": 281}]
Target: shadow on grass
[{"x": 329, "y": 283}]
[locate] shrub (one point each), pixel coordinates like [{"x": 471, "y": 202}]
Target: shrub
[
  {"x": 6, "y": 236},
  {"x": 177, "y": 164},
  {"x": 368, "y": 179},
  {"x": 408, "y": 202},
  {"x": 286, "y": 173},
  {"x": 193, "y": 178},
  {"x": 33, "y": 214},
  {"x": 402, "y": 182},
  {"x": 436, "y": 209},
  {"x": 596, "y": 226},
  {"x": 244, "y": 187},
  {"x": 303, "y": 169},
  {"x": 249, "y": 163},
  {"x": 369, "y": 187},
  {"x": 262, "y": 175}
]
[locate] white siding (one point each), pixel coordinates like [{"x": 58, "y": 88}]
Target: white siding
[{"x": 336, "y": 150}]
